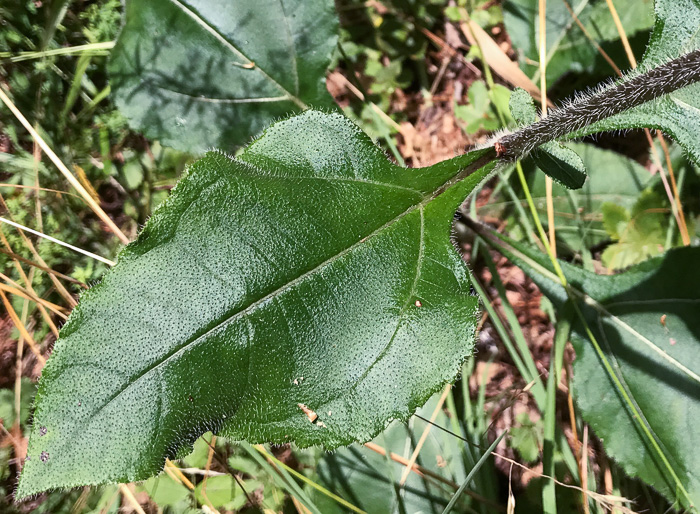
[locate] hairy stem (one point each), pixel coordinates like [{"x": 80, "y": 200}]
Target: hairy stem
[{"x": 673, "y": 75}]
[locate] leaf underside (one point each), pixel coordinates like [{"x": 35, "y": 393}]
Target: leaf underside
[
  {"x": 198, "y": 74},
  {"x": 308, "y": 275}
]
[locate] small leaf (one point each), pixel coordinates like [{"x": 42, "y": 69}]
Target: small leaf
[
  {"x": 615, "y": 219},
  {"x": 646, "y": 323},
  {"x": 561, "y": 163},
  {"x": 638, "y": 235},
  {"x": 198, "y": 74},
  {"x": 305, "y": 291},
  {"x": 522, "y": 107},
  {"x": 526, "y": 437}
]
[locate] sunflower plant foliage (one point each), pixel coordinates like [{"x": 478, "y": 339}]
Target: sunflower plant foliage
[{"x": 305, "y": 289}]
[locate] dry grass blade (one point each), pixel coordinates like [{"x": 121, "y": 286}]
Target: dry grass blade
[
  {"x": 424, "y": 472},
  {"x": 27, "y": 295},
  {"x": 623, "y": 35},
  {"x": 57, "y": 283},
  {"x": 38, "y": 266},
  {"x": 28, "y": 283},
  {"x": 608, "y": 502},
  {"x": 598, "y": 48},
  {"x": 672, "y": 190},
  {"x": 424, "y": 436},
  {"x": 57, "y": 241},
  {"x": 300, "y": 507},
  {"x": 131, "y": 499},
  {"x": 22, "y": 329},
  {"x": 497, "y": 59},
  {"x": 584, "y": 470},
  {"x": 63, "y": 169},
  {"x": 176, "y": 473},
  {"x": 36, "y": 188}
]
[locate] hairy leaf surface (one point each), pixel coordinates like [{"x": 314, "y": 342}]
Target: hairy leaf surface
[
  {"x": 678, "y": 113},
  {"x": 198, "y": 74},
  {"x": 305, "y": 291},
  {"x": 646, "y": 323}
]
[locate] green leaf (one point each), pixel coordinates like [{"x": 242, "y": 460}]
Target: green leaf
[
  {"x": 677, "y": 113},
  {"x": 638, "y": 235},
  {"x": 615, "y": 219},
  {"x": 370, "y": 481},
  {"x": 568, "y": 49},
  {"x": 310, "y": 274},
  {"x": 526, "y": 437},
  {"x": 645, "y": 320},
  {"x": 224, "y": 491},
  {"x": 165, "y": 491},
  {"x": 478, "y": 114},
  {"x": 199, "y": 74},
  {"x": 561, "y": 163}
]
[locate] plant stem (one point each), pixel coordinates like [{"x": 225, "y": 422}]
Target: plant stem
[{"x": 669, "y": 77}]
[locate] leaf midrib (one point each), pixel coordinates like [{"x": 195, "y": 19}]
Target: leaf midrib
[
  {"x": 255, "y": 304},
  {"x": 602, "y": 311},
  {"x": 218, "y": 35}
]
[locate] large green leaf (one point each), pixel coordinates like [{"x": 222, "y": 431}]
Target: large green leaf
[
  {"x": 645, "y": 321},
  {"x": 678, "y": 113},
  {"x": 198, "y": 74},
  {"x": 310, "y": 274}
]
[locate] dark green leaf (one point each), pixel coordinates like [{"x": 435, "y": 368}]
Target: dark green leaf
[
  {"x": 560, "y": 163},
  {"x": 199, "y": 74},
  {"x": 306, "y": 291},
  {"x": 645, "y": 321}
]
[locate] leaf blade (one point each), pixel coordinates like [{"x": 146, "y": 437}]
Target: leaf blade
[
  {"x": 263, "y": 290},
  {"x": 245, "y": 64},
  {"x": 643, "y": 321}
]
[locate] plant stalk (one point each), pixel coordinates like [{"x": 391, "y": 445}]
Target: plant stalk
[{"x": 664, "y": 79}]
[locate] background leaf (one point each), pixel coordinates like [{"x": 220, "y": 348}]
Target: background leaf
[
  {"x": 199, "y": 74},
  {"x": 578, "y": 215},
  {"x": 306, "y": 291},
  {"x": 677, "y": 113},
  {"x": 568, "y": 49},
  {"x": 371, "y": 480},
  {"x": 644, "y": 320}
]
